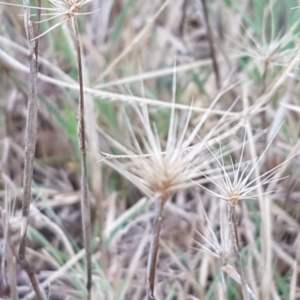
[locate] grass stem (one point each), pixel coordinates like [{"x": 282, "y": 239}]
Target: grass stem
[
  {"x": 211, "y": 45},
  {"x": 152, "y": 259},
  {"x": 236, "y": 249},
  {"x": 30, "y": 143},
  {"x": 85, "y": 203}
]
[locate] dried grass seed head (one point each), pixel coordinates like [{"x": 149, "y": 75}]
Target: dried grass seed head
[
  {"x": 160, "y": 167},
  {"x": 156, "y": 167},
  {"x": 64, "y": 10},
  {"x": 163, "y": 167},
  {"x": 241, "y": 184},
  {"x": 274, "y": 51}
]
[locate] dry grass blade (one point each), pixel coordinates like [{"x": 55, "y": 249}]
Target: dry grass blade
[
  {"x": 16, "y": 66},
  {"x": 95, "y": 169},
  {"x": 134, "y": 263},
  {"x": 293, "y": 285},
  {"x": 265, "y": 210},
  {"x": 60, "y": 272},
  {"x": 234, "y": 275}
]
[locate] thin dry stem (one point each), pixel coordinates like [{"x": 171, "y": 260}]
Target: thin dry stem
[
  {"x": 211, "y": 45},
  {"x": 236, "y": 248},
  {"x": 30, "y": 144},
  {"x": 93, "y": 145},
  {"x": 264, "y": 76},
  {"x": 85, "y": 203},
  {"x": 152, "y": 259},
  {"x": 264, "y": 113}
]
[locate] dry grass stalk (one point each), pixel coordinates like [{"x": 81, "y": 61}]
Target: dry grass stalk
[
  {"x": 69, "y": 11},
  {"x": 235, "y": 246},
  {"x": 211, "y": 45},
  {"x": 95, "y": 170},
  {"x": 30, "y": 142},
  {"x": 15, "y": 65},
  {"x": 85, "y": 203},
  {"x": 152, "y": 259}
]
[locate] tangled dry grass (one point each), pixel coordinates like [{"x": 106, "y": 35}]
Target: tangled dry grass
[{"x": 190, "y": 105}]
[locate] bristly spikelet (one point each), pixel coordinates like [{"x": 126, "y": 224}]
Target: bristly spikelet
[
  {"x": 160, "y": 168},
  {"x": 270, "y": 48},
  {"x": 240, "y": 185},
  {"x": 163, "y": 167},
  {"x": 154, "y": 170}
]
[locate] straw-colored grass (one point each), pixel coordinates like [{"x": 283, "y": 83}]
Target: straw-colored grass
[{"x": 192, "y": 105}]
